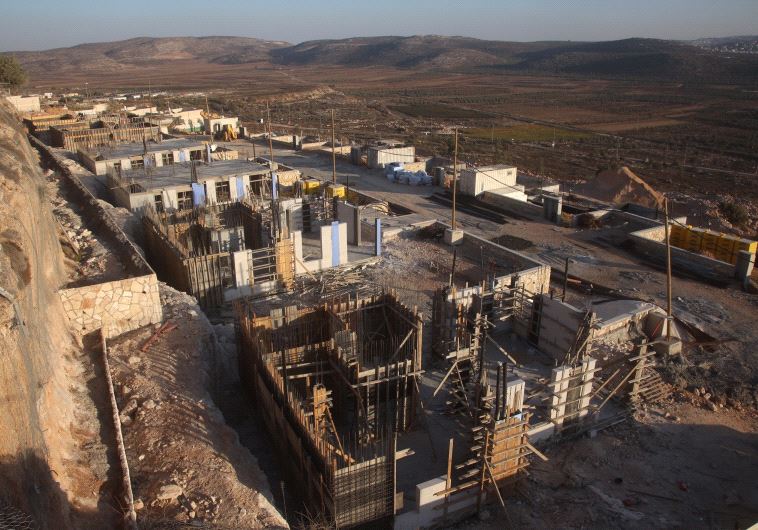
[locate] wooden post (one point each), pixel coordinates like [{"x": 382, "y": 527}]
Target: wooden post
[
  {"x": 334, "y": 155},
  {"x": 669, "y": 318},
  {"x": 449, "y": 480},
  {"x": 484, "y": 470}
]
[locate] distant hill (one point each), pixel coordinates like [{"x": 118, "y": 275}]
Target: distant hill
[
  {"x": 107, "y": 57},
  {"x": 642, "y": 59},
  {"x": 639, "y": 58}
]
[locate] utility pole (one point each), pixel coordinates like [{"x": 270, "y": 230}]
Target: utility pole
[
  {"x": 270, "y": 142},
  {"x": 274, "y": 213},
  {"x": 334, "y": 154},
  {"x": 669, "y": 317},
  {"x": 455, "y": 177}
]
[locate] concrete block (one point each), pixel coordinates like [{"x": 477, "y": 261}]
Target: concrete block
[
  {"x": 425, "y": 492},
  {"x": 668, "y": 348},
  {"x": 326, "y": 246},
  {"x": 453, "y": 237},
  {"x": 541, "y": 431}
]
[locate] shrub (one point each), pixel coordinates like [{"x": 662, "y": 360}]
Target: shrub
[{"x": 734, "y": 213}]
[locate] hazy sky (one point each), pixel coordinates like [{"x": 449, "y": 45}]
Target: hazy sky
[{"x": 42, "y": 24}]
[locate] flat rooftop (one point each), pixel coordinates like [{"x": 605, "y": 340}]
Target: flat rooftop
[
  {"x": 137, "y": 148},
  {"x": 180, "y": 174}
]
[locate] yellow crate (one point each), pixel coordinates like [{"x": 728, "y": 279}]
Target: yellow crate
[
  {"x": 311, "y": 186},
  {"x": 335, "y": 190}
]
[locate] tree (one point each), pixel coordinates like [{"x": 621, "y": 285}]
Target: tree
[{"x": 11, "y": 71}]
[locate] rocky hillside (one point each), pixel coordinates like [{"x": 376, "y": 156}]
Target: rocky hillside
[{"x": 35, "y": 406}]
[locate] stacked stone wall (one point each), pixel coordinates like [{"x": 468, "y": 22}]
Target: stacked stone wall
[{"x": 116, "y": 307}]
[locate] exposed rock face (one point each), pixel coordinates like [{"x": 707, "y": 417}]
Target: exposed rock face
[{"x": 35, "y": 407}]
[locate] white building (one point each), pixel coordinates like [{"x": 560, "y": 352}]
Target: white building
[
  {"x": 500, "y": 179},
  {"x": 189, "y": 120},
  {"x": 142, "y": 111},
  {"x": 24, "y": 104},
  {"x": 380, "y": 156},
  {"x": 216, "y": 124},
  {"x": 170, "y": 187}
]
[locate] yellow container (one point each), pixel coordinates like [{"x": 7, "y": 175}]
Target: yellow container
[
  {"x": 335, "y": 190},
  {"x": 311, "y": 186}
]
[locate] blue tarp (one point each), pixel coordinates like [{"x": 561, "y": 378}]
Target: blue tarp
[
  {"x": 240, "y": 188},
  {"x": 274, "y": 186},
  {"x": 378, "y": 242},
  {"x": 198, "y": 194},
  {"x": 182, "y": 156}
]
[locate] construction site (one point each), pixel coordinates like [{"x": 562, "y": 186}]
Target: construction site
[{"x": 383, "y": 340}]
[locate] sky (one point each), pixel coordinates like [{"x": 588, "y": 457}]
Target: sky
[{"x": 44, "y": 24}]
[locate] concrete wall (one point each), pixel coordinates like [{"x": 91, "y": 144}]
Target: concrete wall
[
  {"x": 328, "y": 257},
  {"x": 350, "y": 215},
  {"x": 117, "y": 307},
  {"x": 533, "y": 275},
  {"x": 632, "y": 221},
  {"x": 650, "y": 243},
  {"x": 508, "y": 204},
  {"x": 559, "y": 324}
]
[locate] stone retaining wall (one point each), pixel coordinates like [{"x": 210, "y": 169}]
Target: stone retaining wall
[
  {"x": 125, "y": 304},
  {"x": 116, "y": 307}
]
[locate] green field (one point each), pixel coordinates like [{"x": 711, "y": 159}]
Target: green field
[{"x": 525, "y": 133}]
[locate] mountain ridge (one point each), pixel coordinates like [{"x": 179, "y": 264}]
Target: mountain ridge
[{"x": 635, "y": 57}]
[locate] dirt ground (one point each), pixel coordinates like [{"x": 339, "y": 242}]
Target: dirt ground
[
  {"x": 677, "y": 465},
  {"x": 187, "y": 465}
]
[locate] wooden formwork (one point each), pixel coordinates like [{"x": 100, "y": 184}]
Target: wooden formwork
[
  {"x": 178, "y": 245},
  {"x": 332, "y": 390},
  {"x": 73, "y": 139}
]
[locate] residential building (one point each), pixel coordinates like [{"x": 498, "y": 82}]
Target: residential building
[
  {"x": 183, "y": 186},
  {"x": 163, "y": 153}
]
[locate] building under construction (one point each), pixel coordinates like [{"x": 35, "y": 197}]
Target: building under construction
[
  {"x": 212, "y": 252},
  {"x": 334, "y": 383}
]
